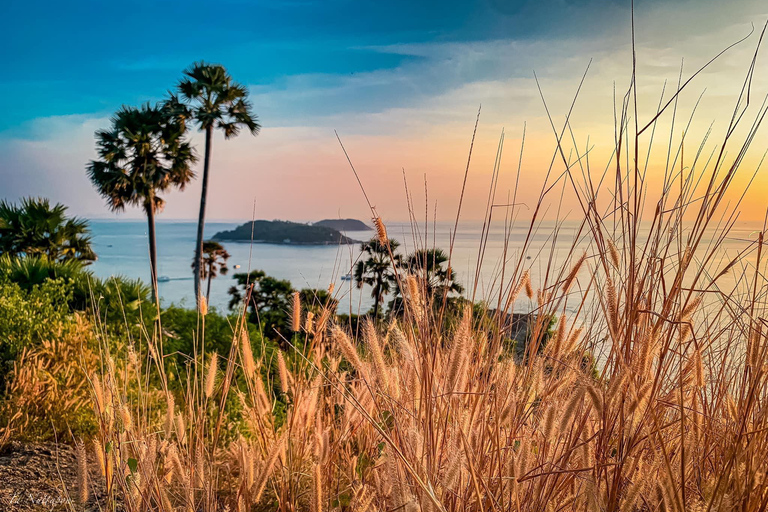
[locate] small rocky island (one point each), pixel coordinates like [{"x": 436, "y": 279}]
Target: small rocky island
[
  {"x": 344, "y": 224},
  {"x": 284, "y": 232}
]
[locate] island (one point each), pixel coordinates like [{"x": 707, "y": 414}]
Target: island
[
  {"x": 283, "y": 232},
  {"x": 344, "y": 224}
]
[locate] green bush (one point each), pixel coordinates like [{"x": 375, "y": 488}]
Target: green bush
[
  {"x": 30, "y": 316},
  {"x": 121, "y": 304}
]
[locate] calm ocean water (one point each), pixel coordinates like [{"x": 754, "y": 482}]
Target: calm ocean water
[{"x": 122, "y": 250}]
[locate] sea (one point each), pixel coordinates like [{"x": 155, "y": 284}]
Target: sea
[{"x": 122, "y": 249}]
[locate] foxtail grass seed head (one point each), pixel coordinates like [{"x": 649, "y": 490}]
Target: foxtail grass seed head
[
  {"x": 549, "y": 424},
  {"x": 309, "y": 322},
  {"x": 458, "y": 355},
  {"x": 296, "y": 312},
  {"x": 82, "y": 474},
  {"x": 98, "y": 451},
  {"x": 381, "y": 231},
  {"x": 317, "y": 489},
  {"x": 249, "y": 364},
  {"x": 612, "y": 304},
  {"x": 282, "y": 370},
  {"x": 527, "y": 284},
  {"x": 613, "y": 252},
  {"x": 571, "y": 277},
  {"x": 415, "y": 299},
  {"x": 181, "y": 427},
  {"x": 373, "y": 344},
  {"x": 203, "y": 305},
  {"x": 345, "y": 346},
  {"x": 98, "y": 393},
  {"x": 690, "y": 308},
  {"x": 170, "y": 411},
  {"x": 698, "y": 368},
  {"x": 210, "y": 376},
  {"x": 596, "y": 398}
]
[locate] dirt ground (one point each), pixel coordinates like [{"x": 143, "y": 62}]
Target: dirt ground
[{"x": 34, "y": 478}]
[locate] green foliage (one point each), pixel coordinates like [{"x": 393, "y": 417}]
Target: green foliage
[
  {"x": 28, "y": 316},
  {"x": 121, "y": 303},
  {"x": 144, "y": 152},
  {"x": 214, "y": 262},
  {"x": 35, "y": 228},
  {"x": 269, "y": 301},
  {"x": 430, "y": 266},
  {"x": 214, "y": 100},
  {"x": 180, "y": 328},
  {"x": 378, "y": 269},
  {"x": 316, "y": 300}
]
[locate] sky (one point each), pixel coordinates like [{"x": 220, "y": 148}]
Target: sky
[{"x": 399, "y": 81}]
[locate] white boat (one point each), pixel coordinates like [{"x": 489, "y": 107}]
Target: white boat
[{"x": 346, "y": 277}]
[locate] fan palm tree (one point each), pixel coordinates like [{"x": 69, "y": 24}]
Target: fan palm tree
[
  {"x": 215, "y": 258},
  {"x": 215, "y": 101},
  {"x": 37, "y": 228},
  {"x": 143, "y": 154},
  {"x": 378, "y": 269},
  {"x": 427, "y": 265}
]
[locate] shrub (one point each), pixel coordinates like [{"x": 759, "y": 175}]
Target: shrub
[
  {"x": 48, "y": 393},
  {"x": 27, "y": 317}
]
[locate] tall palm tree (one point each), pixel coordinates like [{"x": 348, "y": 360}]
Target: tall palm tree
[
  {"x": 215, "y": 101},
  {"x": 378, "y": 269},
  {"x": 144, "y": 153},
  {"x": 36, "y": 228},
  {"x": 427, "y": 264},
  {"x": 215, "y": 258}
]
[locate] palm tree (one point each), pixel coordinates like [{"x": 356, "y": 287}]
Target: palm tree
[
  {"x": 35, "y": 228},
  {"x": 215, "y": 258},
  {"x": 378, "y": 270},
  {"x": 269, "y": 301},
  {"x": 215, "y": 101},
  {"x": 427, "y": 265},
  {"x": 144, "y": 153}
]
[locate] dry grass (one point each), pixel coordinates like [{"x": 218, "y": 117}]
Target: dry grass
[
  {"x": 47, "y": 392},
  {"x": 421, "y": 414}
]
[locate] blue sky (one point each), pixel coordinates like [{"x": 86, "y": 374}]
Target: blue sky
[
  {"x": 69, "y": 58},
  {"x": 400, "y": 80}
]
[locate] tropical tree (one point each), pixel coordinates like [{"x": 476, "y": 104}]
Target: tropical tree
[
  {"x": 269, "y": 300},
  {"x": 378, "y": 269},
  {"x": 37, "y": 228},
  {"x": 215, "y": 258},
  {"x": 428, "y": 266},
  {"x": 215, "y": 101},
  {"x": 143, "y": 154}
]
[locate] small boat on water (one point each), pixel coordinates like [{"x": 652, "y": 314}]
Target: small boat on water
[
  {"x": 346, "y": 277},
  {"x": 163, "y": 279}
]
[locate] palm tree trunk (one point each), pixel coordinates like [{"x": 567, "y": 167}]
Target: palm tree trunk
[
  {"x": 150, "y": 210},
  {"x": 201, "y": 216},
  {"x": 376, "y": 298},
  {"x": 208, "y": 291}
]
